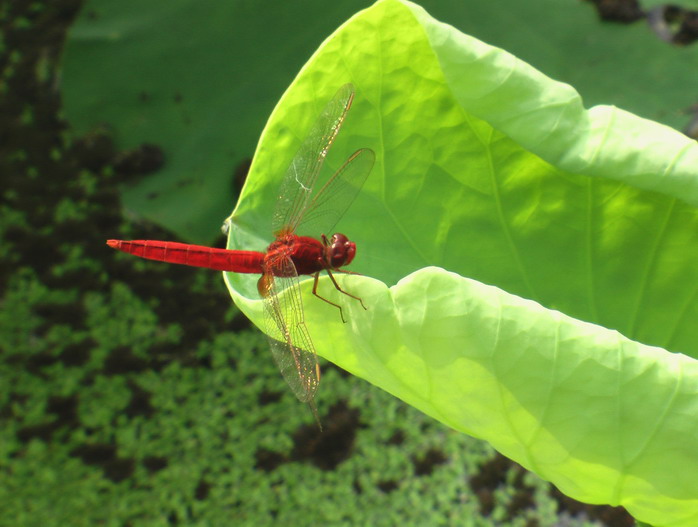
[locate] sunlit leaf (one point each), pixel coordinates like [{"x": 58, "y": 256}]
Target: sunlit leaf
[{"x": 521, "y": 257}]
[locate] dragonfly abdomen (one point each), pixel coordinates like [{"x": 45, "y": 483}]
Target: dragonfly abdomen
[{"x": 193, "y": 255}]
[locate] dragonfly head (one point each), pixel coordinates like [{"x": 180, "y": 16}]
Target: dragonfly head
[{"x": 340, "y": 251}]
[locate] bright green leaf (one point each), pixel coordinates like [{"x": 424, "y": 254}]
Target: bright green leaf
[{"x": 488, "y": 169}]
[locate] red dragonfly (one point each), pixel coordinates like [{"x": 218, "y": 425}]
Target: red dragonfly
[{"x": 298, "y": 212}]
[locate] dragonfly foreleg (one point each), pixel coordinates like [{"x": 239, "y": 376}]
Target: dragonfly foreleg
[
  {"x": 315, "y": 283},
  {"x": 338, "y": 288}
]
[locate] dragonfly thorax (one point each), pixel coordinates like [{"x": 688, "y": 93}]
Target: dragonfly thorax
[{"x": 306, "y": 253}]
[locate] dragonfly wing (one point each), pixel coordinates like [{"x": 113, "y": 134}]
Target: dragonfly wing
[
  {"x": 334, "y": 198},
  {"x": 288, "y": 335},
  {"x": 301, "y": 175}
]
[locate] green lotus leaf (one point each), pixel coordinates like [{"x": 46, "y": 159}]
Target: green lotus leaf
[{"x": 529, "y": 266}]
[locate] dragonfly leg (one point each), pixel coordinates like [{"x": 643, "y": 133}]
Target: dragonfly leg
[
  {"x": 315, "y": 283},
  {"x": 348, "y": 272},
  {"x": 336, "y": 285}
]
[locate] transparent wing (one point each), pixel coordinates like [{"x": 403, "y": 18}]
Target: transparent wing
[
  {"x": 331, "y": 202},
  {"x": 301, "y": 175},
  {"x": 289, "y": 339}
]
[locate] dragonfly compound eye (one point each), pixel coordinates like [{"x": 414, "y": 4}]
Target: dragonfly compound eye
[{"x": 341, "y": 251}]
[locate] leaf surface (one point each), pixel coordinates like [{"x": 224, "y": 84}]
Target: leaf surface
[{"x": 529, "y": 265}]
